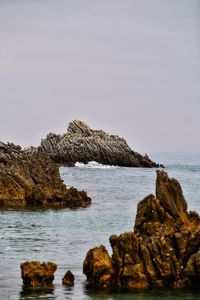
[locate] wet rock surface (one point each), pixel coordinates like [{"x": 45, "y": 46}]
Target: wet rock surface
[
  {"x": 37, "y": 275},
  {"x": 83, "y": 144},
  {"x": 30, "y": 177},
  {"x": 162, "y": 251}
]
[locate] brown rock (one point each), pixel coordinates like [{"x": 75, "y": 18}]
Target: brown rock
[
  {"x": 163, "y": 250},
  {"x": 170, "y": 194},
  {"x": 30, "y": 177},
  {"x": 68, "y": 279},
  {"x": 37, "y": 275}
]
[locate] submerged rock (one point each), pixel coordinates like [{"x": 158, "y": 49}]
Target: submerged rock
[
  {"x": 83, "y": 144},
  {"x": 68, "y": 279},
  {"x": 32, "y": 178},
  {"x": 163, "y": 250},
  {"x": 37, "y": 275}
]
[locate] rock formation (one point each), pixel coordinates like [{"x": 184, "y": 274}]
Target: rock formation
[
  {"x": 37, "y": 275},
  {"x": 68, "y": 279},
  {"x": 99, "y": 268},
  {"x": 32, "y": 178},
  {"x": 163, "y": 250},
  {"x": 83, "y": 144}
]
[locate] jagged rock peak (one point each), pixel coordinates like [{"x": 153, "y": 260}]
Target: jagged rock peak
[
  {"x": 83, "y": 144},
  {"x": 79, "y": 127},
  {"x": 162, "y": 251},
  {"x": 170, "y": 194},
  {"x": 167, "y": 206}
]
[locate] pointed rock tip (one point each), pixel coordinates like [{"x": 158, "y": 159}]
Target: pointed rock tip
[
  {"x": 78, "y": 127},
  {"x": 169, "y": 192}
]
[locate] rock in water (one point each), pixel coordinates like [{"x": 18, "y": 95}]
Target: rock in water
[
  {"x": 37, "y": 275},
  {"x": 68, "y": 279},
  {"x": 163, "y": 250},
  {"x": 83, "y": 144},
  {"x": 98, "y": 267},
  {"x": 30, "y": 177}
]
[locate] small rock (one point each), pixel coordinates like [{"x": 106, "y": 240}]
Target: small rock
[{"x": 68, "y": 279}]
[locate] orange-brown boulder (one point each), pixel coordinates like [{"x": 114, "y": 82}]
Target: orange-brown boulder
[
  {"x": 98, "y": 267},
  {"x": 37, "y": 275}
]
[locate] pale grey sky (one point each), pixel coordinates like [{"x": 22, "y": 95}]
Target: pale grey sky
[{"x": 130, "y": 67}]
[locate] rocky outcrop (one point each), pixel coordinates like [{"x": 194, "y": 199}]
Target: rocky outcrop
[
  {"x": 37, "y": 275},
  {"x": 163, "y": 250},
  {"x": 32, "y": 178},
  {"x": 98, "y": 267},
  {"x": 83, "y": 144}
]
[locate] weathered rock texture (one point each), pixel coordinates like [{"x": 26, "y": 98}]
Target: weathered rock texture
[
  {"x": 83, "y": 144},
  {"x": 37, "y": 275},
  {"x": 32, "y": 178},
  {"x": 163, "y": 250}
]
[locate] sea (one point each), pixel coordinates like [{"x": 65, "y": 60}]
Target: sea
[{"x": 64, "y": 236}]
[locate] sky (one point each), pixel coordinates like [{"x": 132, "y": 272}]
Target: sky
[{"x": 129, "y": 67}]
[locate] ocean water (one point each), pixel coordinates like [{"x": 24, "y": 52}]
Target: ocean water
[{"x": 64, "y": 236}]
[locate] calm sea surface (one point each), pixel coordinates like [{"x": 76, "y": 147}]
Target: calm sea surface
[{"x": 65, "y": 236}]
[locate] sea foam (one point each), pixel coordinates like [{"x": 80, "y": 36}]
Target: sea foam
[{"x": 94, "y": 165}]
